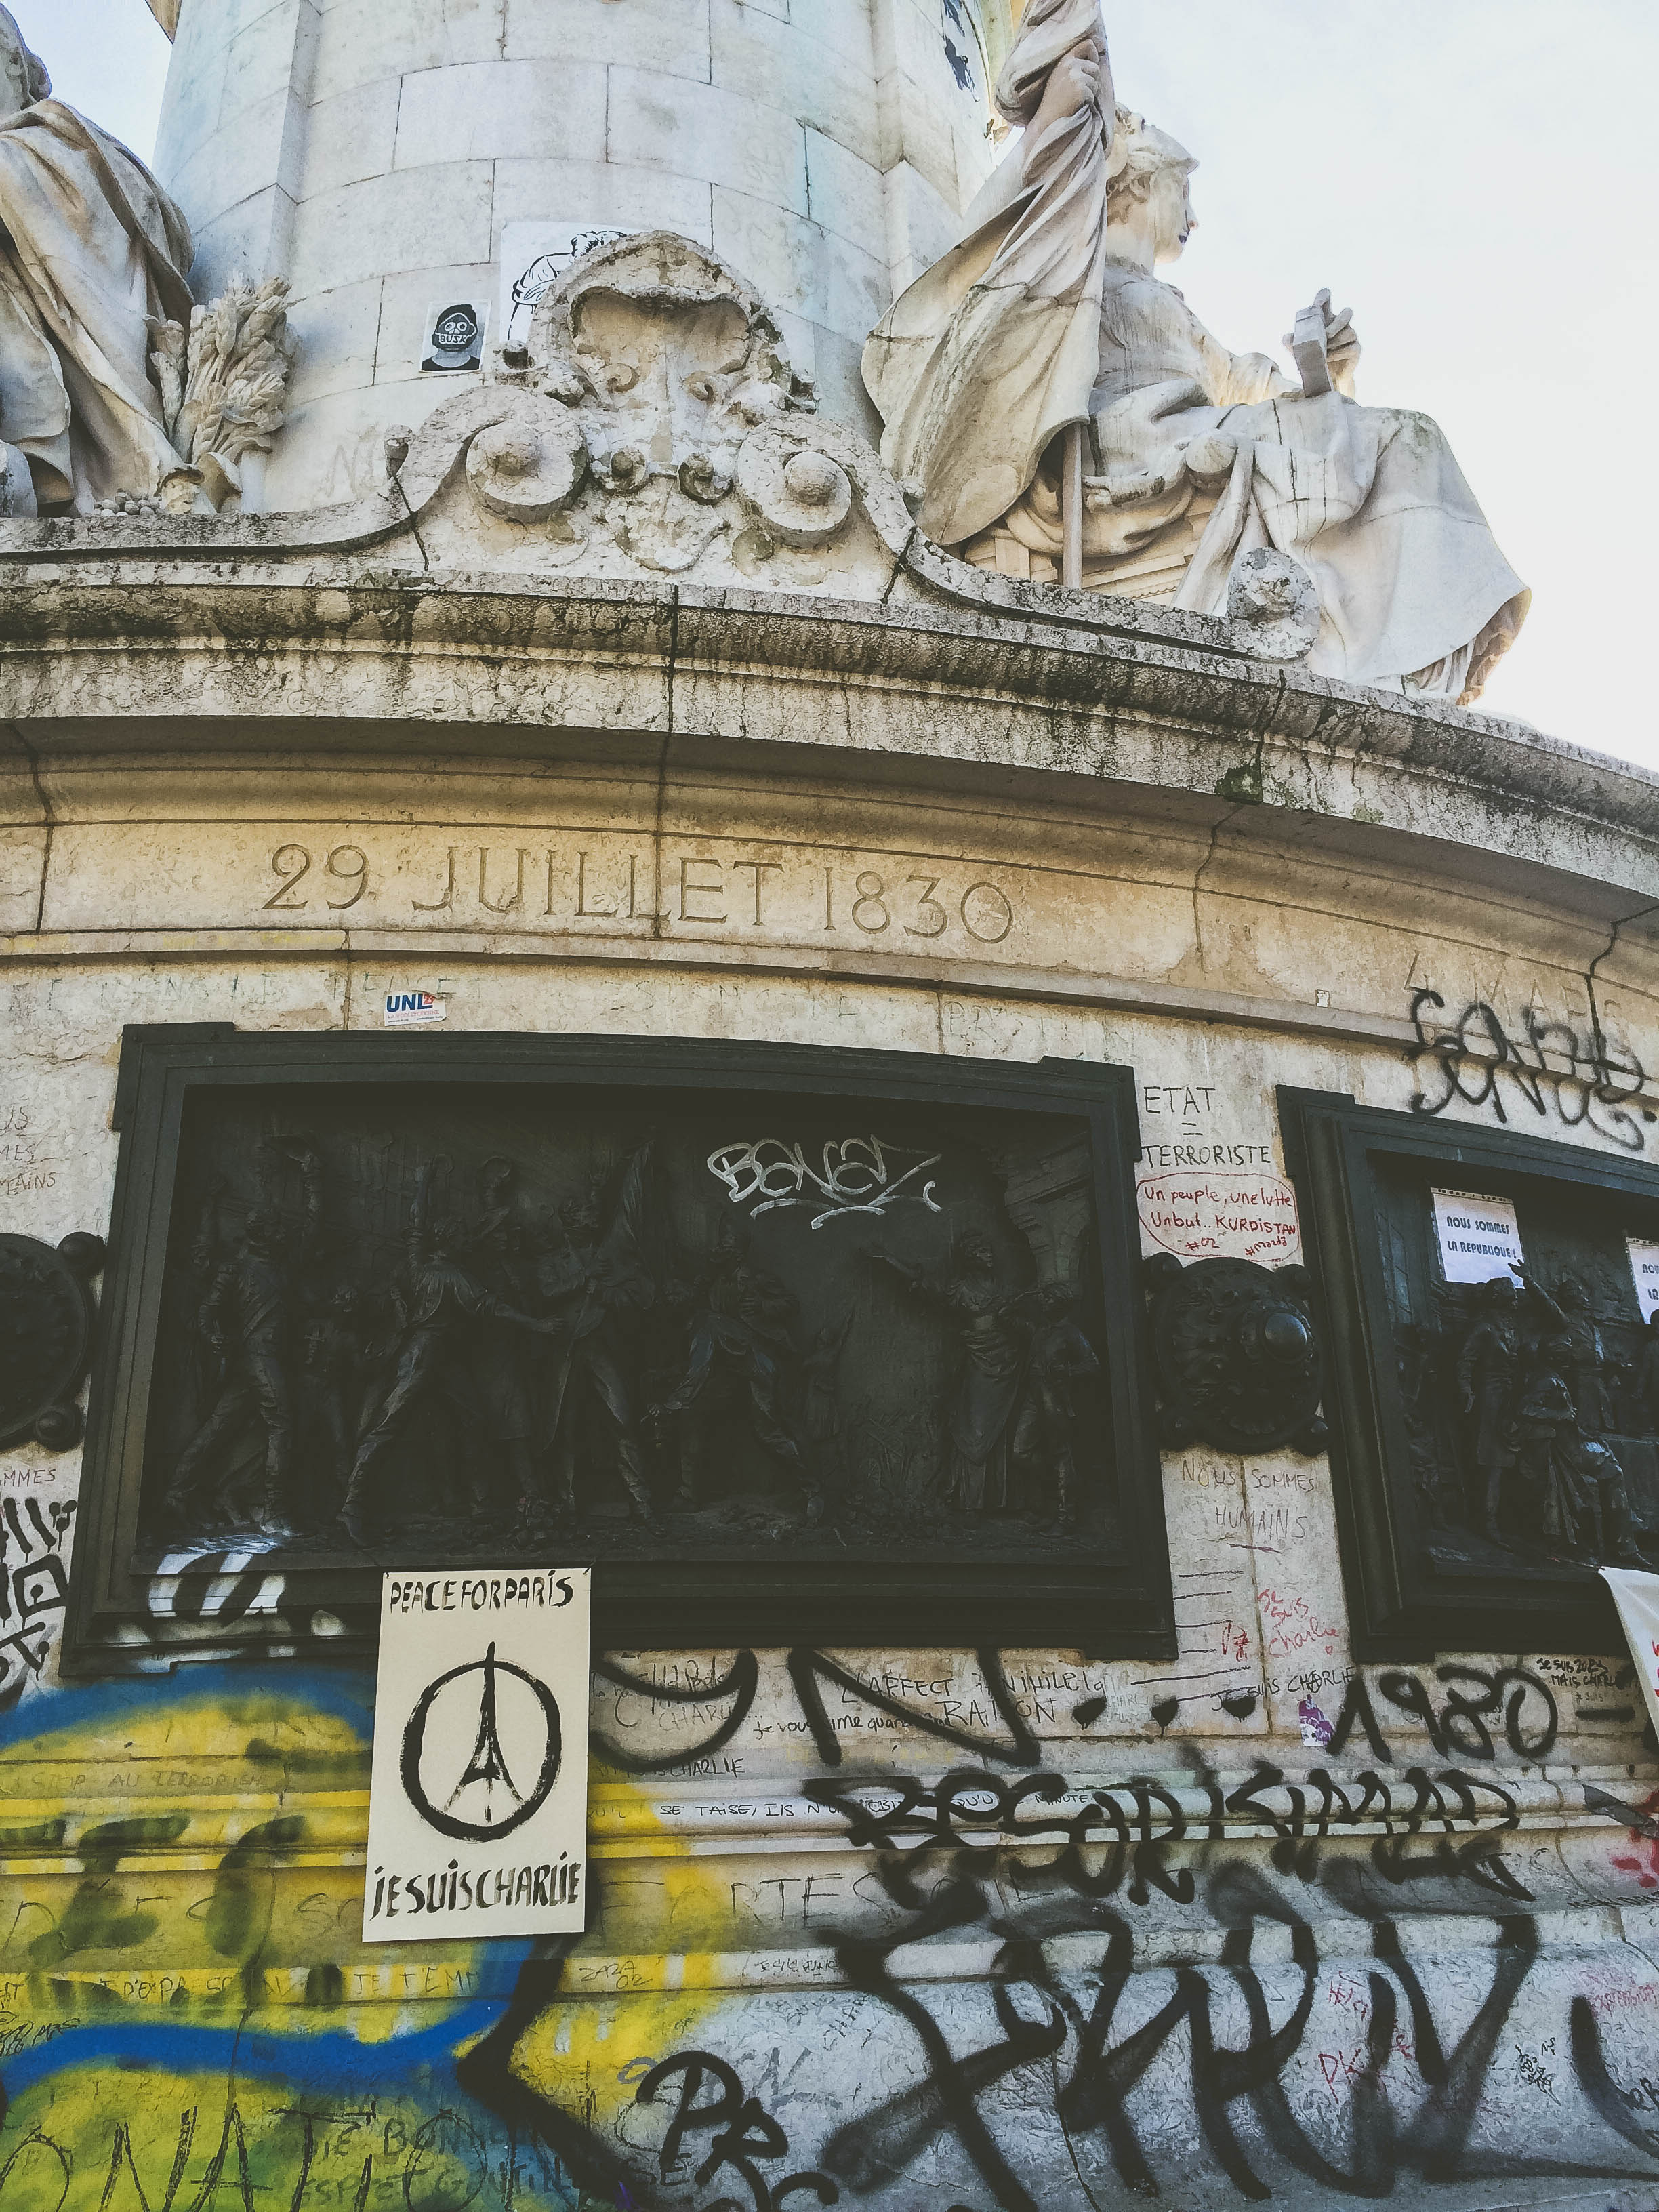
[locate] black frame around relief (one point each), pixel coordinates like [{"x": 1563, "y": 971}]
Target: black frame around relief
[
  {"x": 178, "y": 1086},
  {"x": 1407, "y": 1600}
]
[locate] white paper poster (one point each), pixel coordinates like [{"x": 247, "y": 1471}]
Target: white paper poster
[
  {"x": 1479, "y": 1236},
  {"x": 477, "y": 1805},
  {"x": 1637, "y": 1596},
  {"x": 1644, "y": 1274},
  {"x": 535, "y": 254}
]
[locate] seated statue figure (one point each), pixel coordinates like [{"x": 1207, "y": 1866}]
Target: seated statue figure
[
  {"x": 1048, "y": 314},
  {"x": 92, "y": 252}
]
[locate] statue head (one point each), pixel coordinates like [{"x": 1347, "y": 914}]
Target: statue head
[
  {"x": 1148, "y": 185},
  {"x": 581, "y": 1215},
  {"x": 1502, "y": 1295},
  {"x": 1572, "y": 1292},
  {"x": 23, "y": 78},
  {"x": 266, "y": 1233},
  {"x": 1554, "y": 1350},
  {"x": 972, "y": 1253},
  {"x": 731, "y": 1237}
]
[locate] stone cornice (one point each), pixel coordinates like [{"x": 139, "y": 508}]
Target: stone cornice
[{"x": 126, "y": 653}]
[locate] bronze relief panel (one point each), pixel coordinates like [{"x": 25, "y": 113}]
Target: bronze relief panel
[{"x": 771, "y": 1336}]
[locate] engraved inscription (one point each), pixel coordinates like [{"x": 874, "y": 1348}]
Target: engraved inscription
[
  {"x": 347, "y": 864},
  {"x": 585, "y": 880}
]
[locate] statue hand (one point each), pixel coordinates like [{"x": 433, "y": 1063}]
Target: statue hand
[
  {"x": 1073, "y": 85},
  {"x": 1075, "y": 81},
  {"x": 1342, "y": 351},
  {"x": 1342, "y": 347}
]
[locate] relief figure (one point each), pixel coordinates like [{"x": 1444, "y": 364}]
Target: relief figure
[
  {"x": 336, "y": 1360},
  {"x": 1488, "y": 1368},
  {"x": 248, "y": 1322},
  {"x": 1539, "y": 1410},
  {"x": 1581, "y": 1350},
  {"x": 1576, "y": 1486},
  {"x": 599, "y": 1284},
  {"x": 824, "y": 1423},
  {"x": 497, "y": 1351},
  {"x": 1045, "y": 1438},
  {"x": 989, "y": 1395},
  {"x": 434, "y": 1374},
  {"x": 739, "y": 1355}
]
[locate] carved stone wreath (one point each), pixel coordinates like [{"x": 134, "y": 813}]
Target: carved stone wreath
[
  {"x": 46, "y": 1316},
  {"x": 1237, "y": 1355}
]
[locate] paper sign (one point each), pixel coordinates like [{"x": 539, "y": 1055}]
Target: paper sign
[
  {"x": 404, "y": 1008},
  {"x": 1637, "y": 1596},
  {"x": 1239, "y": 1217},
  {"x": 1644, "y": 1272},
  {"x": 535, "y": 254},
  {"x": 1479, "y": 1236},
  {"x": 477, "y": 1802}
]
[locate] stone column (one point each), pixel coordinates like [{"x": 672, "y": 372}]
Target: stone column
[{"x": 376, "y": 155}]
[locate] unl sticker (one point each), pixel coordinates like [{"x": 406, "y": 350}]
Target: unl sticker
[{"x": 404, "y": 1008}]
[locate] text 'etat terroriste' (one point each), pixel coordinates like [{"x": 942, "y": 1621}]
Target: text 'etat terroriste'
[
  {"x": 1495, "y": 1378},
  {"x": 763, "y": 1332}
]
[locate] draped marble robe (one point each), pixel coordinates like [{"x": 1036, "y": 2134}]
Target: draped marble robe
[
  {"x": 1033, "y": 322},
  {"x": 92, "y": 252},
  {"x": 994, "y": 350}
]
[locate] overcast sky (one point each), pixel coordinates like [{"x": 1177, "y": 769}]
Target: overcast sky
[{"x": 1478, "y": 179}]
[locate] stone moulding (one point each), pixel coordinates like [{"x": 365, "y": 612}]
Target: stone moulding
[
  {"x": 439, "y": 454},
  {"x": 273, "y": 644}
]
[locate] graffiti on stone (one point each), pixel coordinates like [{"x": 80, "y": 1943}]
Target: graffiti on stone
[{"x": 1582, "y": 1078}]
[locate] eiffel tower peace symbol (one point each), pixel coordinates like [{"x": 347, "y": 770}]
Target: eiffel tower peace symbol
[{"x": 491, "y": 1789}]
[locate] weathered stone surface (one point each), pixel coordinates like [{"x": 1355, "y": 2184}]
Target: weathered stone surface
[{"x": 916, "y": 1915}]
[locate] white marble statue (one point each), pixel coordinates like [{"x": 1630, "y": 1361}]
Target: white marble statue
[
  {"x": 1049, "y": 314},
  {"x": 92, "y": 253}
]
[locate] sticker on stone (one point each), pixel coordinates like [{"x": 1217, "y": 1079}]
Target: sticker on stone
[
  {"x": 413, "y": 1008},
  {"x": 453, "y": 334}
]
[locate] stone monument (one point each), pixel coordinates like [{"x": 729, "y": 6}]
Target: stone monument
[{"x": 918, "y": 1031}]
